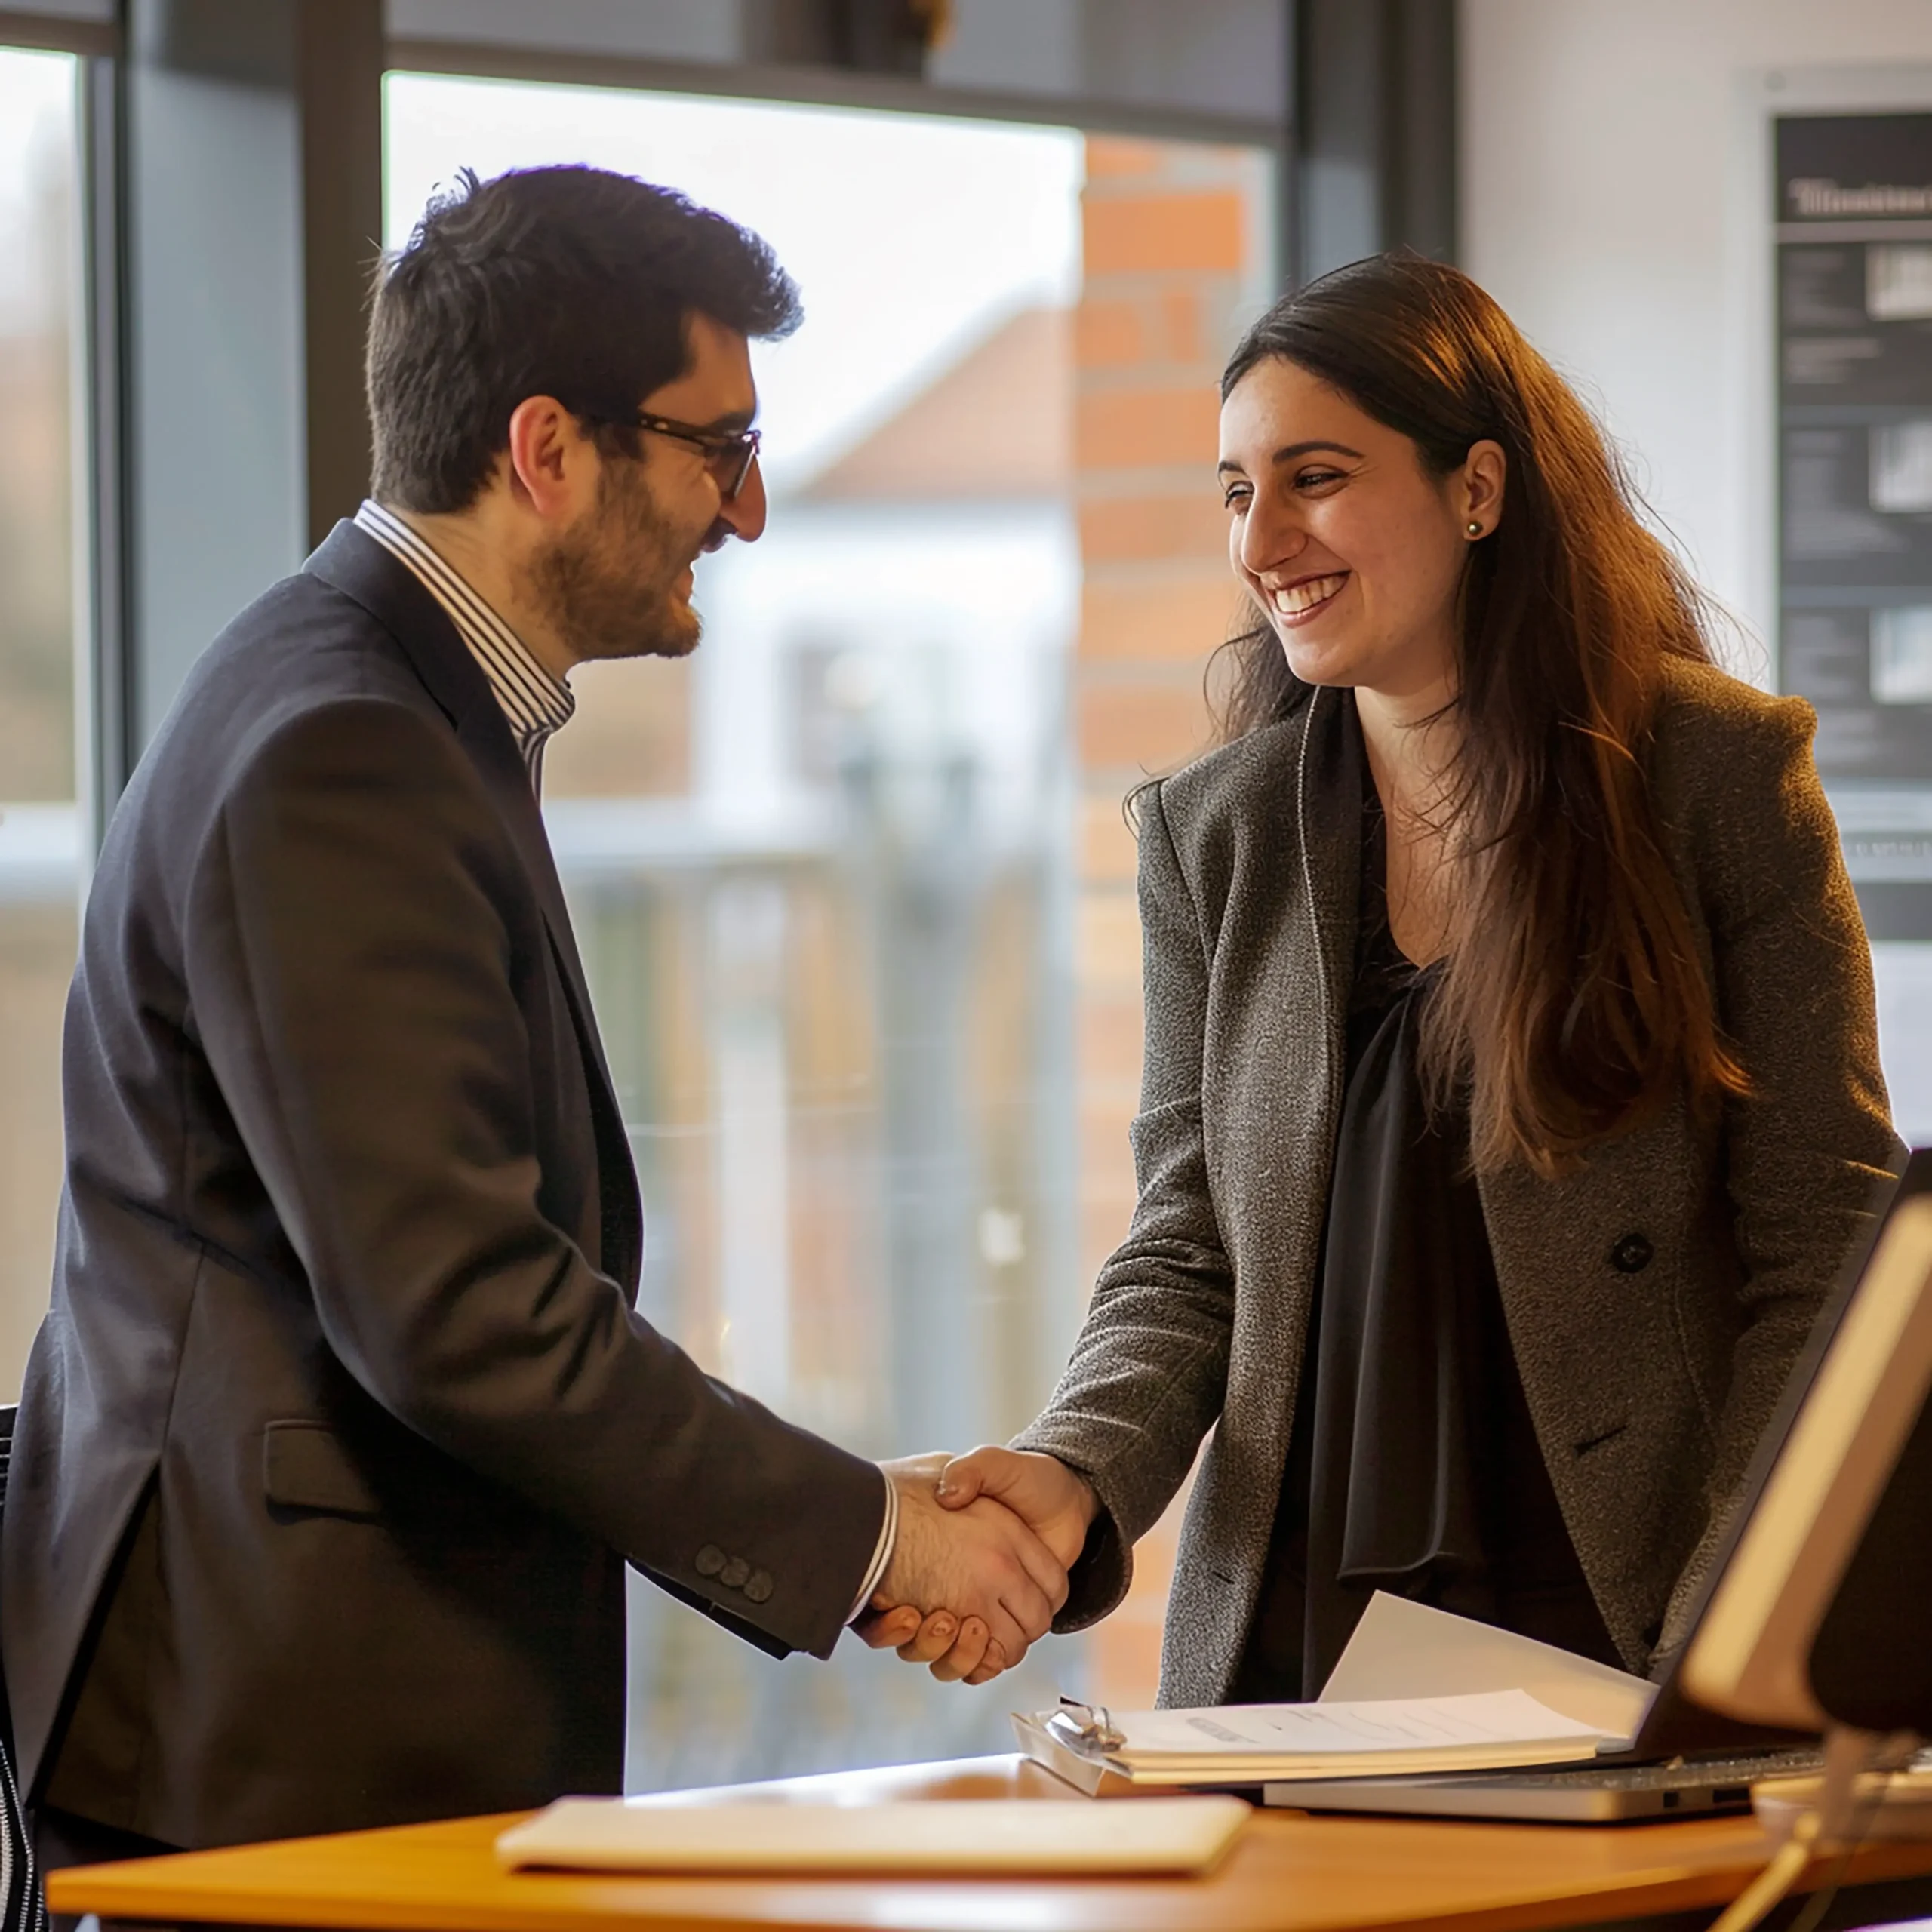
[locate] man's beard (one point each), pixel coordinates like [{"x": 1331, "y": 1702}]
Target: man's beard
[{"x": 609, "y": 586}]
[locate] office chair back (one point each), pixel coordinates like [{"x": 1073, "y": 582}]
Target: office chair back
[{"x": 22, "y": 1907}]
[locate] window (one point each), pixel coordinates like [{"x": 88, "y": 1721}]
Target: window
[
  {"x": 40, "y": 839},
  {"x": 848, "y": 882}
]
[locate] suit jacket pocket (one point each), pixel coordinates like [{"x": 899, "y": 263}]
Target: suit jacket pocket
[{"x": 305, "y": 1467}]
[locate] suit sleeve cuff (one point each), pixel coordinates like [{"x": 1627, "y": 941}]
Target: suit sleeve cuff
[{"x": 888, "y": 1535}]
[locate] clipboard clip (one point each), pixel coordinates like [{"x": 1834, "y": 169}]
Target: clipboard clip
[{"x": 1087, "y": 1727}]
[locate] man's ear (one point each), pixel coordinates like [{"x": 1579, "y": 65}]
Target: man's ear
[{"x": 553, "y": 465}]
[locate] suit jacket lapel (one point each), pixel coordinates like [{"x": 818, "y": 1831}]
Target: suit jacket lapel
[
  {"x": 484, "y": 733},
  {"x": 353, "y": 563}
]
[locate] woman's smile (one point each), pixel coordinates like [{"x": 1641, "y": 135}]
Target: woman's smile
[{"x": 1301, "y": 601}]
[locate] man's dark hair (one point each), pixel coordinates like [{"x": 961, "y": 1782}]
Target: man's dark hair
[{"x": 570, "y": 282}]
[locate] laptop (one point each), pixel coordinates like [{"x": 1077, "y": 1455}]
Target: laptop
[
  {"x": 1685, "y": 1759},
  {"x": 1611, "y": 1792}
]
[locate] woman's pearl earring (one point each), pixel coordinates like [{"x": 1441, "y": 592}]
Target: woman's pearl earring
[{"x": 1475, "y": 528}]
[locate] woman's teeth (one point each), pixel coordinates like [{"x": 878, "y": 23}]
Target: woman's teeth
[{"x": 1295, "y": 598}]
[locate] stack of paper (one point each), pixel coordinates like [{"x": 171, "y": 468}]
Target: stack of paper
[
  {"x": 1417, "y": 1691},
  {"x": 1253, "y": 1743}
]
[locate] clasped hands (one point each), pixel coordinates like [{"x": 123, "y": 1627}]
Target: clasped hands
[{"x": 979, "y": 1568}]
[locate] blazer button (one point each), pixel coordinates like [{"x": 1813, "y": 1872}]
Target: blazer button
[
  {"x": 710, "y": 1560},
  {"x": 758, "y": 1586},
  {"x": 1631, "y": 1254},
  {"x": 735, "y": 1572}
]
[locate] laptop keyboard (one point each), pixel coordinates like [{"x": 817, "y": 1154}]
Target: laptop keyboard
[{"x": 1741, "y": 1772}]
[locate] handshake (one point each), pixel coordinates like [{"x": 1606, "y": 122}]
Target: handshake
[{"x": 979, "y": 1568}]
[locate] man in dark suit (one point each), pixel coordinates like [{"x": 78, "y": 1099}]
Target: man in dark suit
[{"x": 342, "y": 1427}]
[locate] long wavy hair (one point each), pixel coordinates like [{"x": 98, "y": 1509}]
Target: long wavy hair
[{"x": 1572, "y": 1005}]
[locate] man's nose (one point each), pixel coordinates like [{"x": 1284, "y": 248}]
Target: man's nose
[{"x": 742, "y": 515}]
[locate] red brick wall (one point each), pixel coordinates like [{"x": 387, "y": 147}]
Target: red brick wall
[{"x": 1168, "y": 232}]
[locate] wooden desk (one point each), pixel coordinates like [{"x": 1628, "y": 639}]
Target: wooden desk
[{"x": 1288, "y": 1870}]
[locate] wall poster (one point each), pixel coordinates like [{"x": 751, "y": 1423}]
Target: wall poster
[{"x": 1854, "y": 320}]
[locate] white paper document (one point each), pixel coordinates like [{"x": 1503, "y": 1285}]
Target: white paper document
[
  {"x": 1379, "y": 1735},
  {"x": 1417, "y": 1691},
  {"x": 1175, "y": 1836},
  {"x": 1401, "y": 1649}
]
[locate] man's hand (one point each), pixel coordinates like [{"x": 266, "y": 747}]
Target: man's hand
[{"x": 988, "y": 1587}]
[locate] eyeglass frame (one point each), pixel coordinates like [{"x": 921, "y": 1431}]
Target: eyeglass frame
[{"x": 717, "y": 445}]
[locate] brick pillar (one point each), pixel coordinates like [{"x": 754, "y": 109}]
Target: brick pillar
[{"x": 1167, "y": 232}]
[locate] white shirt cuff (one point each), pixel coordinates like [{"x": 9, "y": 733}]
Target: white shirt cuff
[{"x": 888, "y": 1535}]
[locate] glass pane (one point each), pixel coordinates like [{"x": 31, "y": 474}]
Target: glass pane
[
  {"x": 831, "y": 874},
  {"x": 39, "y": 835}
]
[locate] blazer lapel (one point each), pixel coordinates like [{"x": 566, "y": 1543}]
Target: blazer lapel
[
  {"x": 353, "y": 563},
  {"x": 1328, "y": 782},
  {"x": 1316, "y": 952},
  {"x": 1283, "y": 959}
]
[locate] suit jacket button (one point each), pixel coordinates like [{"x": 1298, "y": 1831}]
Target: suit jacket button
[
  {"x": 758, "y": 1586},
  {"x": 710, "y": 1560},
  {"x": 735, "y": 1572},
  {"x": 1631, "y": 1254}
]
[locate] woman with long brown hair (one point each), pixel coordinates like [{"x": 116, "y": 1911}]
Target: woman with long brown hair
[{"x": 1512, "y": 1093}]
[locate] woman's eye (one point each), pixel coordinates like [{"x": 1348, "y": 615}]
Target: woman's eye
[
  {"x": 1316, "y": 479},
  {"x": 1235, "y": 496}
]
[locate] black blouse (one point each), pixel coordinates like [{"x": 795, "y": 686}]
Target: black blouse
[{"x": 1412, "y": 1464}]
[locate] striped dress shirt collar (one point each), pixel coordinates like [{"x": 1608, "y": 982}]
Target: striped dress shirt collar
[{"x": 533, "y": 702}]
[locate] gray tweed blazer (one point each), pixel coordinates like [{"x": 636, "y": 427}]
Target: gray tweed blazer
[{"x": 1648, "y": 1388}]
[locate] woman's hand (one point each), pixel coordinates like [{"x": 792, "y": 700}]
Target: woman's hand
[
  {"x": 987, "y": 1583},
  {"x": 1057, "y": 1505}
]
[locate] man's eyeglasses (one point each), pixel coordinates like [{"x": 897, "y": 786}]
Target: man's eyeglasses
[{"x": 728, "y": 455}]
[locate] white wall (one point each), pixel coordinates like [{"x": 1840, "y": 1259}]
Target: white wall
[
  {"x": 1615, "y": 200},
  {"x": 1608, "y": 203}
]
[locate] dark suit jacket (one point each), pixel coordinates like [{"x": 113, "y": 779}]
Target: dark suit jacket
[
  {"x": 1650, "y": 1367},
  {"x": 345, "y": 1265}
]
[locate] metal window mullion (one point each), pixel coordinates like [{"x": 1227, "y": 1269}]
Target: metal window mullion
[{"x": 107, "y": 680}]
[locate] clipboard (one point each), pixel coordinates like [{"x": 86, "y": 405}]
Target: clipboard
[{"x": 1072, "y": 1743}]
